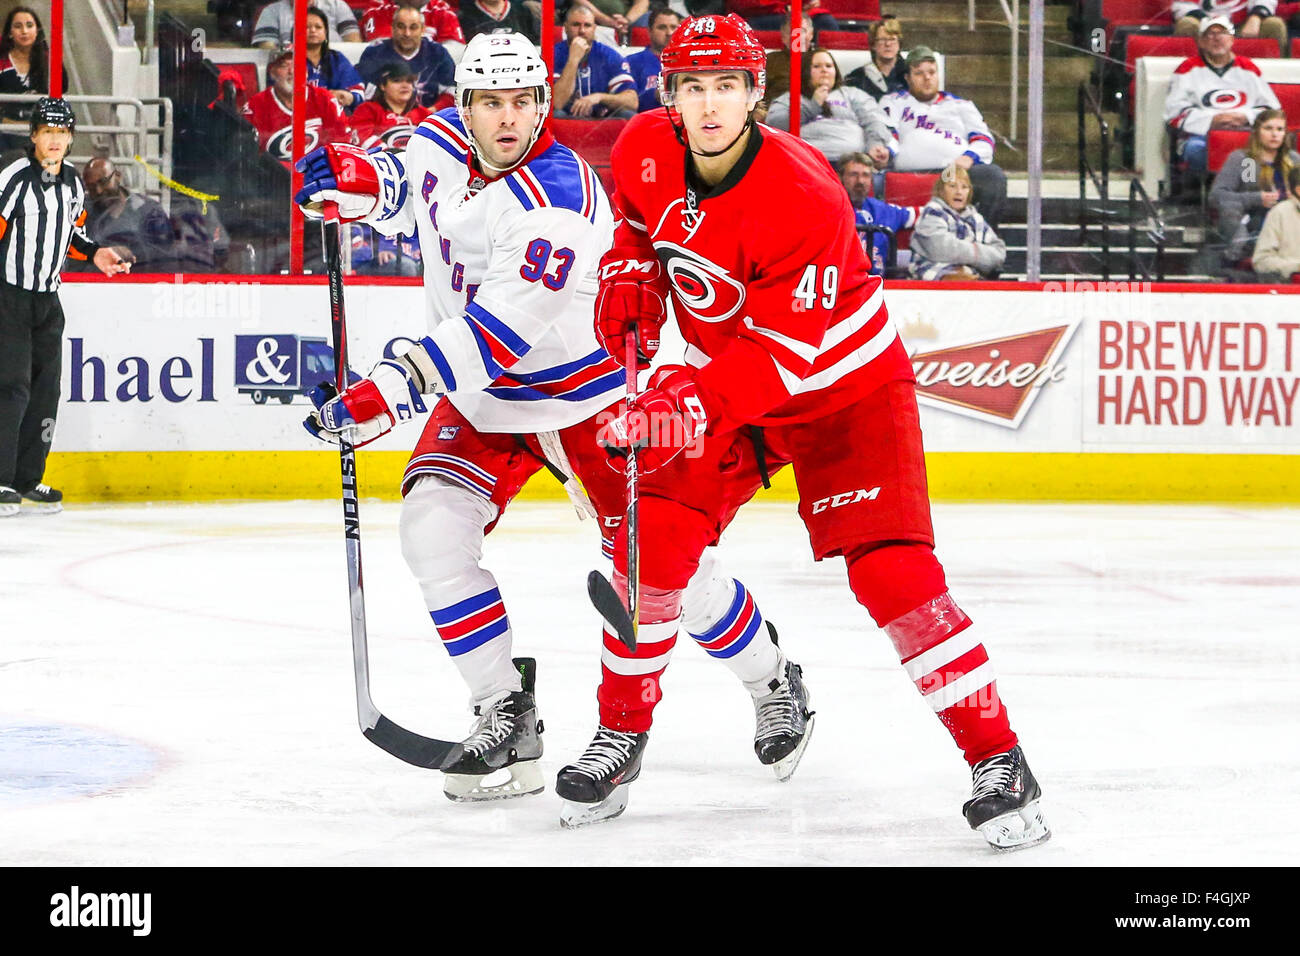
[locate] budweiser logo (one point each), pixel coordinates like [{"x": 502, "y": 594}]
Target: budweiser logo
[{"x": 995, "y": 380}]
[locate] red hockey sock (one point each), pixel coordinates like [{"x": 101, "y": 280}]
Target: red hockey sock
[
  {"x": 903, "y": 587},
  {"x": 629, "y": 685}
]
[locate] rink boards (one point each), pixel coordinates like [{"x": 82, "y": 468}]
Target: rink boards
[{"x": 1075, "y": 391}]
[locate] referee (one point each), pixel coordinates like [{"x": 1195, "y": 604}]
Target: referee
[{"x": 42, "y": 212}]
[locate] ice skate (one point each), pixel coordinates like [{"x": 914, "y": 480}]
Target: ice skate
[
  {"x": 9, "y": 501},
  {"x": 594, "y": 787},
  {"x": 783, "y": 722},
  {"x": 43, "y": 500},
  {"x": 1004, "y": 802},
  {"x": 506, "y": 739}
]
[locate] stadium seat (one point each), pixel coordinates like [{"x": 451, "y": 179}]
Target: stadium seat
[
  {"x": 909, "y": 189},
  {"x": 844, "y": 40},
  {"x": 1140, "y": 45},
  {"x": 852, "y": 9},
  {"x": 1295, "y": 47},
  {"x": 1288, "y": 94},
  {"x": 640, "y": 36},
  {"x": 248, "y": 73},
  {"x": 593, "y": 140},
  {"x": 771, "y": 39},
  {"x": 1259, "y": 48},
  {"x": 1221, "y": 143}
]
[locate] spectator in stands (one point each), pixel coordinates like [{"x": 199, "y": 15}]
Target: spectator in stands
[
  {"x": 778, "y": 62},
  {"x": 591, "y": 80},
  {"x": 1254, "y": 18},
  {"x": 1213, "y": 90},
  {"x": 24, "y": 68},
  {"x": 933, "y": 129},
  {"x": 856, "y": 174},
  {"x": 835, "y": 118},
  {"x": 645, "y": 65},
  {"x": 328, "y": 68},
  {"x": 376, "y": 254},
  {"x": 441, "y": 24},
  {"x": 271, "y": 113},
  {"x": 1277, "y": 251},
  {"x": 136, "y": 227},
  {"x": 951, "y": 239},
  {"x": 202, "y": 242},
  {"x": 274, "y": 28},
  {"x": 1251, "y": 182},
  {"x": 389, "y": 117},
  {"x": 774, "y": 14},
  {"x": 497, "y": 16},
  {"x": 607, "y": 13},
  {"x": 435, "y": 70},
  {"x": 886, "y": 70}
]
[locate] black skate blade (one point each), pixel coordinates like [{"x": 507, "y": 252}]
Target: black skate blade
[
  {"x": 418, "y": 751},
  {"x": 606, "y": 600}
]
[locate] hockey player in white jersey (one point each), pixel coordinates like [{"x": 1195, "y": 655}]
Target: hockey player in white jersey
[{"x": 513, "y": 226}]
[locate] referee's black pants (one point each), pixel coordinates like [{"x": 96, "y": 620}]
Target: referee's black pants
[{"x": 31, "y": 366}]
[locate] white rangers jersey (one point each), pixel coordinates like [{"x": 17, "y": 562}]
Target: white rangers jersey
[
  {"x": 510, "y": 272},
  {"x": 931, "y": 135},
  {"x": 1198, "y": 91},
  {"x": 1222, "y": 8}
]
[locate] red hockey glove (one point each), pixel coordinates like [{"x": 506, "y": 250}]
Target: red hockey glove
[
  {"x": 632, "y": 293},
  {"x": 341, "y": 174},
  {"x": 663, "y": 421}
]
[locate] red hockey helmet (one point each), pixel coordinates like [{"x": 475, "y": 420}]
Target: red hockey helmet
[{"x": 715, "y": 44}]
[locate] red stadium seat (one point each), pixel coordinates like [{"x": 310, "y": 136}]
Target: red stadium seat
[
  {"x": 1221, "y": 143},
  {"x": 909, "y": 189},
  {"x": 1135, "y": 11},
  {"x": 1140, "y": 45},
  {"x": 844, "y": 40},
  {"x": 852, "y": 9},
  {"x": 771, "y": 39},
  {"x": 1260, "y": 48},
  {"x": 248, "y": 73},
  {"x": 1288, "y": 95},
  {"x": 593, "y": 140},
  {"x": 640, "y": 37},
  {"x": 1295, "y": 47}
]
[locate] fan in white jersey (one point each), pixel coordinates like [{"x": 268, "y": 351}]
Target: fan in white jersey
[{"x": 513, "y": 226}]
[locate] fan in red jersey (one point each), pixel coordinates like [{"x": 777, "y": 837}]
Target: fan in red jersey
[
  {"x": 389, "y": 117},
  {"x": 271, "y": 112},
  {"x": 440, "y": 21},
  {"x": 792, "y": 359}
]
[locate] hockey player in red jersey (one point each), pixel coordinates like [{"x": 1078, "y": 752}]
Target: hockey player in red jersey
[{"x": 792, "y": 359}]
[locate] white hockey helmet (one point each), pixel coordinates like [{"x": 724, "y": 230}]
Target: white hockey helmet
[{"x": 501, "y": 61}]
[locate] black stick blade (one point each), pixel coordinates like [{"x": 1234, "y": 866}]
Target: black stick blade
[
  {"x": 404, "y": 745},
  {"x": 606, "y": 600}
]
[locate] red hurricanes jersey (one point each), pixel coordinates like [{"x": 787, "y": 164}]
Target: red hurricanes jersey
[
  {"x": 325, "y": 122},
  {"x": 770, "y": 285},
  {"x": 378, "y": 126}
]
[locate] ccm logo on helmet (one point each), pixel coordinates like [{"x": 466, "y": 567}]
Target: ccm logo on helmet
[{"x": 845, "y": 498}]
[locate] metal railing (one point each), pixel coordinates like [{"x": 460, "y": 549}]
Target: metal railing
[
  {"x": 129, "y": 140},
  {"x": 891, "y": 256},
  {"x": 1155, "y": 232},
  {"x": 1089, "y": 104},
  {"x": 1012, "y": 16}
]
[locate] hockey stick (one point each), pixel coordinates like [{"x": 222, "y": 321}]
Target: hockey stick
[
  {"x": 624, "y": 620},
  {"x": 378, "y": 729}
]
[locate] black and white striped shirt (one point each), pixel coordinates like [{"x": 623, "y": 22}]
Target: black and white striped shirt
[{"x": 42, "y": 221}]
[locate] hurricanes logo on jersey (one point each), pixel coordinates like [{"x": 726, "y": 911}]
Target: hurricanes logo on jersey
[
  {"x": 395, "y": 137},
  {"x": 280, "y": 144},
  {"x": 703, "y": 288},
  {"x": 1224, "y": 99}
]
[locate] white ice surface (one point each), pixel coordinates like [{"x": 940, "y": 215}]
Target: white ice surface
[{"x": 176, "y": 688}]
